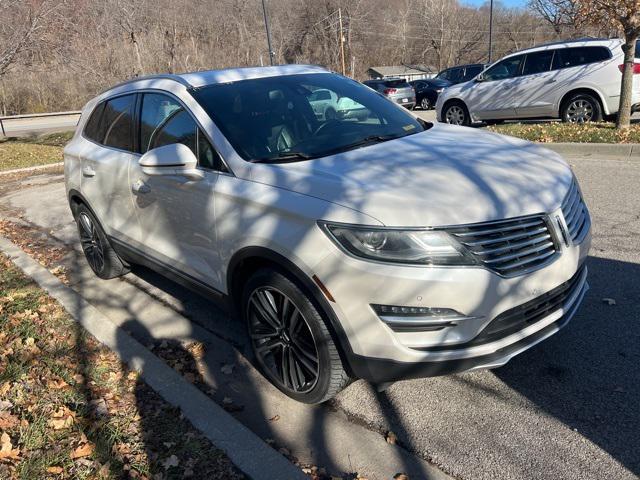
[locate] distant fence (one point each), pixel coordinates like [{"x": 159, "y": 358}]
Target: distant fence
[{"x": 24, "y": 119}]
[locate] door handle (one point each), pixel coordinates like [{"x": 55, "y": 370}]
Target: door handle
[
  {"x": 140, "y": 187},
  {"x": 553, "y": 80},
  {"x": 88, "y": 171}
]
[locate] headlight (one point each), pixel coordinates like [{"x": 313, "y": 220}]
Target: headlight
[{"x": 421, "y": 247}]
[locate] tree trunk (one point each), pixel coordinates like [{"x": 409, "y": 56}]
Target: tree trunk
[{"x": 626, "y": 88}]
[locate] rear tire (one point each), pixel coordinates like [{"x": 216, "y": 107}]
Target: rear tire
[
  {"x": 101, "y": 257},
  {"x": 581, "y": 108},
  {"x": 456, "y": 113},
  {"x": 290, "y": 339},
  {"x": 425, "y": 104}
]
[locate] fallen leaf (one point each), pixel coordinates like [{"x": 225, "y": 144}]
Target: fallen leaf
[
  {"x": 61, "y": 423},
  {"x": 8, "y": 421},
  {"x": 5, "y": 405},
  {"x": 275, "y": 418},
  {"x": 392, "y": 438},
  {"x": 172, "y": 461},
  {"x": 83, "y": 451},
  {"x": 6, "y": 448},
  {"x": 55, "y": 470}
]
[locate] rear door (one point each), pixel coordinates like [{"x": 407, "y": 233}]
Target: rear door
[
  {"x": 534, "y": 90},
  {"x": 105, "y": 166}
]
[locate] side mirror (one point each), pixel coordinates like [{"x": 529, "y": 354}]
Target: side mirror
[
  {"x": 480, "y": 77},
  {"x": 172, "y": 159}
]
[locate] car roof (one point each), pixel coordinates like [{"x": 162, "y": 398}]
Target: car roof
[
  {"x": 581, "y": 42},
  {"x": 227, "y": 75}
]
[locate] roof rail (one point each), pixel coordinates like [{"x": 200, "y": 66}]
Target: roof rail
[
  {"x": 572, "y": 40},
  {"x": 155, "y": 76}
]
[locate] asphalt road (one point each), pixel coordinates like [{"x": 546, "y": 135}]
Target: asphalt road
[
  {"x": 21, "y": 127},
  {"x": 568, "y": 408}
]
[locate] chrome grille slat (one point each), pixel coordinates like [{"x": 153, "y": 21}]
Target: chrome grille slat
[
  {"x": 575, "y": 213},
  {"x": 524, "y": 243},
  {"x": 515, "y": 236},
  {"x": 509, "y": 247},
  {"x": 520, "y": 253}
]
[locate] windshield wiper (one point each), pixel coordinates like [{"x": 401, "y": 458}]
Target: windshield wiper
[
  {"x": 283, "y": 157},
  {"x": 360, "y": 143}
]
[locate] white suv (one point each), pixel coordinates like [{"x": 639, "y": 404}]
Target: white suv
[
  {"x": 372, "y": 246},
  {"x": 577, "y": 81}
]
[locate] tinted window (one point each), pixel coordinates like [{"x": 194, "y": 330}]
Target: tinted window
[
  {"x": 92, "y": 129},
  {"x": 396, "y": 84},
  {"x": 445, "y": 75},
  {"x": 538, "y": 62},
  {"x": 267, "y": 118},
  {"x": 472, "y": 71},
  {"x": 572, "y": 57},
  {"x": 456, "y": 75},
  {"x": 507, "y": 68},
  {"x": 116, "y": 127},
  {"x": 164, "y": 121}
]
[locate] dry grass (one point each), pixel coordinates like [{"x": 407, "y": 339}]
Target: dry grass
[
  {"x": 566, "y": 132},
  {"x": 70, "y": 409},
  {"x": 20, "y": 155}
]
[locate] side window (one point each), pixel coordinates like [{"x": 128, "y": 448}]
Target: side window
[
  {"x": 572, "y": 57},
  {"x": 116, "y": 127},
  {"x": 507, "y": 68},
  {"x": 456, "y": 75},
  {"x": 538, "y": 62},
  {"x": 92, "y": 128},
  {"x": 164, "y": 121},
  {"x": 444, "y": 75},
  {"x": 471, "y": 72}
]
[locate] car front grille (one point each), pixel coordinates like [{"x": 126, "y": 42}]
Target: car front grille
[
  {"x": 509, "y": 247},
  {"x": 575, "y": 214}
]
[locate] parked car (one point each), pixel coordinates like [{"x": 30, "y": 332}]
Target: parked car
[
  {"x": 382, "y": 249},
  {"x": 576, "y": 81},
  {"x": 397, "y": 90},
  {"x": 427, "y": 91},
  {"x": 328, "y": 106},
  {"x": 461, "y": 73}
]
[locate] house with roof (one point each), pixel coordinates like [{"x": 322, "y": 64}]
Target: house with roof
[{"x": 414, "y": 72}]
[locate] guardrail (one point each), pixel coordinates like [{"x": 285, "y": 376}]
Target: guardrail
[{"x": 34, "y": 115}]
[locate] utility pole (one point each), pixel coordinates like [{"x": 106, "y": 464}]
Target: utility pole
[
  {"x": 266, "y": 26},
  {"x": 344, "y": 72},
  {"x": 490, "y": 30}
]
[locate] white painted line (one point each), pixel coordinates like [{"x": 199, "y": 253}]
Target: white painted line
[{"x": 246, "y": 450}]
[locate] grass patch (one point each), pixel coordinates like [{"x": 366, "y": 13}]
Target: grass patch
[
  {"x": 566, "y": 132},
  {"x": 70, "y": 409},
  {"x": 32, "y": 151}
]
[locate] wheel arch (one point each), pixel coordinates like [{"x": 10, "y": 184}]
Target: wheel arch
[
  {"x": 248, "y": 260},
  {"x": 586, "y": 90},
  {"x": 76, "y": 198}
]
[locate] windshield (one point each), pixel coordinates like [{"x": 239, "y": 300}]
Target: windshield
[{"x": 302, "y": 116}]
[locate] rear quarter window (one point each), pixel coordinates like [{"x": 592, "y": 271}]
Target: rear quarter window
[
  {"x": 92, "y": 128},
  {"x": 572, "y": 57},
  {"x": 116, "y": 126}
]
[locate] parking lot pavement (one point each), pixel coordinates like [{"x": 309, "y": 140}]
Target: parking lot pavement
[{"x": 568, "y": 408}]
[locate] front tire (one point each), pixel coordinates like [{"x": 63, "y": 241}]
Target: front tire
[
  {"x": 290, "y": 339},
  {"x": 581, "y": 108},
  {"x": 456, "y": 113},
  {"x": 101, "y": 257}
]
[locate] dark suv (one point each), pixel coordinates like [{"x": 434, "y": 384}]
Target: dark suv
[
  {"x": 427, "y": 91},
  {"x": 461, "y": 73},
  {"x": 397, "y": 90}
]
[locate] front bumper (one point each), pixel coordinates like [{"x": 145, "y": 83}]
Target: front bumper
[{"x": 379, "y": 354}]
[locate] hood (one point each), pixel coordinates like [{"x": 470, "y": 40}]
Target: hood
[{"x": 446, "y": 175}]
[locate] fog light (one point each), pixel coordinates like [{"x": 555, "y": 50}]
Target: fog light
[{"x": 418, "y": 319}]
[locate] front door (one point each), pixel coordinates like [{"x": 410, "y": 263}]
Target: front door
[
  {"x": 494, "y": 96},
  {"x": 176, "y": 214}
]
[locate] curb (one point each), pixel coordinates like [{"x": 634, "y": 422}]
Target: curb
[
  {"x": 629, "y": 150},
  {"x": 31, "y": 169},
  {"x": 245, "y": 449}
]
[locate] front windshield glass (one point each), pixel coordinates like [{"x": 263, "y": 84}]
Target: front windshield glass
[{"x": 302, "y": 116}]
